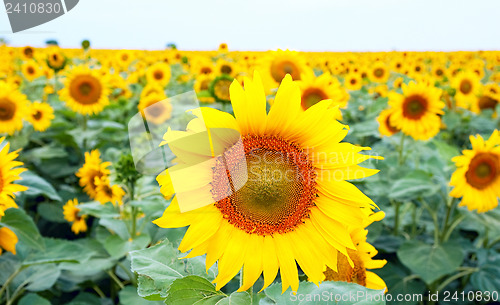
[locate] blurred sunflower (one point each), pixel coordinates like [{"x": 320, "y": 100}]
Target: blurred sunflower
[
  {"x": 315, "y": 89},
  {"x": 219, "y": 88},
  {"x": 9, "y": 172},
  {"x": 270, "y": 224},
  {"x": 85, "y": 90},
  {"x": 31, "y": 70},
  {"x": 13, "y": 108},
  {"x": 378, "y": 72},
  {"x": 92, "y": 169},
  {"x": 27, "y": 52},
  {"x": 202, "y": 88},
  {"x": 56, "y": 59},
  {"x": 477, "y": 178},
  {"x": 467, "y": 86},
  {"x": 153, "y": 88},
  {"x": 8, "y": 240},
  {"x": 353, "y": 81},
  {"x": 41, "y": 116},
  {"x": 71, "y": 214},
  {"x": 159, "y": 73},
  {"x": 362, "y": 258},
  {"x": 107, "y": 192},
  {"x": 416, "y": 111},
  {"x": 155, "y": 108},
  {"x": 225, "y": 67},
  {"x": 280, "y": 63},
  {"x": 384, "y": 120}
]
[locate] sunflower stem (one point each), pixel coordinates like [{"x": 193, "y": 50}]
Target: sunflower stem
[
  {"x": 450, "y": 205},
  {"x": 84, "y": 128},
  {"x": 10, "y": 279},
  {"x": 401, "y": 149},
  {"x": 397, "y": 209}
]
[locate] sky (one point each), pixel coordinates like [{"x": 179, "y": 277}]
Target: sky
[{"x": 306, "y": 25}]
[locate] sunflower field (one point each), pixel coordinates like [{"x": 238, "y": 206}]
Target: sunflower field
[{"x": 228, "y": 177}]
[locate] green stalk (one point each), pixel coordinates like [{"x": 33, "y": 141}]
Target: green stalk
[
  {"x": 401, "y": 149},
  {"x": 396, "y": 217},
  {"x": 10, "y": 279}
]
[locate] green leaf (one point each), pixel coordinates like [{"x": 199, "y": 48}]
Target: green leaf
[
  {"x": 446, "y": 151},
  {"x": 51, "y": 212},
  {"x": 33, "y": 299},
  {"x": 117, "y": 226},
  {"x": 431, "y": 262},
  {"x": 118, "y": 247},
  {"x": 327, "y": 293},
  {"x": 194, "y": 289},
  {"x": 236, "y": 298},
  {"x": 20, "y": 223},
  {"x": 38, "y": 186},
  {"x": 38, "y": 277},
  {"x": 58, "y": 250},
  {"x": 417, "y": 183},
  {"x": 128, "y": 296},
  {"x": 96, "y": 209}
]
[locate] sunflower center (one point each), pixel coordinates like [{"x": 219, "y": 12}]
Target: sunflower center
[
  {"x": 465, "y": 86},
  {"x": 205, "y": 84},
  {"x": 221, "y": 89},
  {"x": 226, "y": 69},
  {"x": 278, "y": 193},
  {"x": 353, "y": 81},
  {"x": 155, "y": 109},
  {"x": 206, "y": 70},
  {"x": 312, "y": 96},
  {"x": 158, "y": 75},
  {"x": 486, "y": 102},
  {"x": 31, "y": 70},
  {"x": 279, "y": 69},
  {"x": 379, "y": 72},
  {"x": 7, "y": 109},
  {"x": 389, "y": 126},
  {"x": 37, "y": 115},
  {"x": 483, "y": 170},
  {"x": 439, "y": 72},
  {"x": 414, "y": 107},
  {"x": 85, "y": 89}
]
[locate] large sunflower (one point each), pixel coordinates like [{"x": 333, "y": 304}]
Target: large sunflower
[
  {"x": 477, "y": 178},
  {"x": 9, "y": 172},
  {"x": 85, "y": 90},
  {"x": 41, "y": 115},
  {"x": 416, "y": 111},
  {"x": 296, "y": 204},
  {"x": 13, "y": 108}
]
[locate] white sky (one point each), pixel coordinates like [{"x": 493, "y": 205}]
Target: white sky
[{"x": 309, "y": 25}]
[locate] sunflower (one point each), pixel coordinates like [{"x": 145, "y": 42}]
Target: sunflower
[
  {"x": 416, "y": 111},
  {"x": 28, "y": 52},
  {"x": 31, "y": 70},
  {"x": 9, "y": 172},
  {"x": 379, "y": 73},
  {"x": 362, "y": 258},
  {"x": 477, "y": 178},
  {"x": 219, "y": 88},
  {"x": 155, "y": 108},
  {"x": 280, "y": 63},
  {"x": 295, "y": 205},
  {"x": 13, "y": 108},
  {"x": 123, "y": 59},
  {"x": 384, "y": 120},
  {"x": 85, "y": 90},
  {"x": 41, "y": 115},
  {"x": 353, "y": 81},
  {"x": 71, "y": 214},
  {"x": 467, "y": 85},
  {"x": 107, "y": 192},
  {"x": 323, "y": 87},
  {"x": 153, "y": 88},
  {"x": 159, "y": 73},
  {"x": 56, "y": 59},
  {"x": 489, "y": 98},
  {"x": 92, "y": 169},
  {"x": 225, "y": 67},
  {"x": 8, "y": 240},
  {"x": 202, "y": 88},
  {"x": 223, "y": 47}
]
